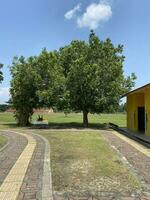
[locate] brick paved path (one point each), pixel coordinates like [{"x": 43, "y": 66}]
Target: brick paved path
[
  {"x": 24, "y": 164},
  {"x": 36, "y": 183},
  {"x": 10, "y": 154},
  {"x": 139, "y": 163},
  {"x": 32, "y": 184}
]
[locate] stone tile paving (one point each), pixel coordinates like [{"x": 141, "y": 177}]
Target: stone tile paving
[
  {"x": 100, "y": 198},
  {"x": 36, "y": 183},
  {"x": 10, "y": 154},
  {"x": 32, "y": 184},
  {"x": 139, "y": 162},
  {"x": 10, "y": 188}
]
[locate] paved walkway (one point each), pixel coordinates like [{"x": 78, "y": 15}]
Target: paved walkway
[
  {"x": 136, "y": 156},
  {"x": 11, "y": 153},
  {"x": 25, "y": 168}
]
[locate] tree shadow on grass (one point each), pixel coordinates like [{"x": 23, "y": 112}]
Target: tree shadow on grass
[
  {"x": 52, "y": 125},
  {"x": 69, "y": 125},
  {"x": 10, "y": 126}
]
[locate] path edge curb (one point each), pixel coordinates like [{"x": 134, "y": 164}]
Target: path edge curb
[{"x": 47, "y": 191}]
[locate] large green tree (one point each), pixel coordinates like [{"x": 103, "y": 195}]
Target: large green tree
[
  {"x": 36, "y": 82},
  {"x": 95, "y": 78},
  {"x": 23, "y": 89}
]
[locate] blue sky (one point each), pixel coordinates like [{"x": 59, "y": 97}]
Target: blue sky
[{"x": 27, "y": 26}]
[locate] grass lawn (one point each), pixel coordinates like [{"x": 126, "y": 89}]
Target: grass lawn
[
  {"x": 83, "y": 164},
  {"x": 6, "y": 117},
  {"x": 3, "y": 141},
  {"x": 73, "y": 119}
]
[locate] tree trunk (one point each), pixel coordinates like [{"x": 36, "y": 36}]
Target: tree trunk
[
  {"x": 22, "y": 118},
  {"x": 23, "y": 121},
  {"x": 85, "y": 118}
]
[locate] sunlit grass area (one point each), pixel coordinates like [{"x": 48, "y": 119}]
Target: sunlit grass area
[
  {"x": 6, "y": 117},
  {"x": 71, "y": 119},
  {"x": 84, "y": 163}
]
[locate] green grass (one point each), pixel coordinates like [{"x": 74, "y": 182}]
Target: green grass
[
  {"x": 6, "y": 117},
  {"x": 73, "y": 119},
  {"x": 3, "y": 141},
  {"x": 83, "y": 163},
  {"x": 60, "y": 118}
]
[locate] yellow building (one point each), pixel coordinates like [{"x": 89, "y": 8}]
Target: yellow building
[{"x": 138, "y": 110}]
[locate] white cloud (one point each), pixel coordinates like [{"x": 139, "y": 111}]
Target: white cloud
[
  {"x": 4, "y": 92},
  {"x": 94, "y": 15},
  {"x": 72, "y": 13}
]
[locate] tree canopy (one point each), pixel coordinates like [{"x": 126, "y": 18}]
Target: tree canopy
[
  {"x": 95, "y": 78},
  {"x": 36, "y": 82},
  {"x": 23, "y": 88},
  {"x": 83, "y": 76}
]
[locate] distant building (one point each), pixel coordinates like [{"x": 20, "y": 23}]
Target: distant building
[{"x": 138, "y": 110}]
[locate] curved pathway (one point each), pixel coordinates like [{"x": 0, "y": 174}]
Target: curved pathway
[
  {"x": 11, "y": 152},
  {"x": 26, "y": 167}
]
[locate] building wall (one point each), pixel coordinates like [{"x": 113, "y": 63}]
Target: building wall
[
  {"x": 133, "y": 102},
  {"x": 147, "y": 110}
]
